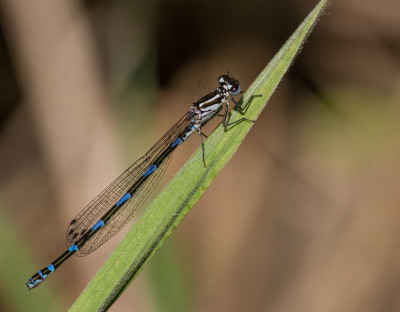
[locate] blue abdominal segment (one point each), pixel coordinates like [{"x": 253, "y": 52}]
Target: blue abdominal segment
[
  {"x": 72, "y": 248},
  {"x": 123, "y": 199},
  {"x": 149, "y": 170},
  {"x": 176, "y": 142},
  {"x": 99, "y": 224}
]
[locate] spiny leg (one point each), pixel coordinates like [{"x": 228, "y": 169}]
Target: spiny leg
[
  {"x": 226, "y": 122},
  {"x": 242, "y": 108},
  {"x": 202, "y": 148}
]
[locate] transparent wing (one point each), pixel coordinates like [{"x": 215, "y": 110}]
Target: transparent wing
[
  {"x": 125, "y": 213},
  {"x": 94, "y": 211}
]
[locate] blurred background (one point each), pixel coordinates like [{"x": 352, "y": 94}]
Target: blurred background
[{"x": 306, "y": 215}]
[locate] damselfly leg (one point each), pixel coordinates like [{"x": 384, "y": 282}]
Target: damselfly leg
[{"x": 225, "y": 120}]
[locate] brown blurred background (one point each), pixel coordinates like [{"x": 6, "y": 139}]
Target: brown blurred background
[{"x": 306, "y": 215}]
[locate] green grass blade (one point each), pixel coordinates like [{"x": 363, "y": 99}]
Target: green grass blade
[{"x": 174, "y": 202}]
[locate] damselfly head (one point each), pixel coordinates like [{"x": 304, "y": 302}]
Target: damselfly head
[{"x": 230, "y": 84}]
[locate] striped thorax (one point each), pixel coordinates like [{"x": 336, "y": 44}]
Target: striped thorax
[{"x": 211, "y": 104}]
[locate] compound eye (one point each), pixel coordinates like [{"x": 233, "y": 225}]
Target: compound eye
[
  {"x": 235, "y": 90},
  {"x": 222, "y": 80}
]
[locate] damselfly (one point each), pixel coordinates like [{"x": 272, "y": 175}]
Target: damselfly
[{"x": 117, "y": 204}]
